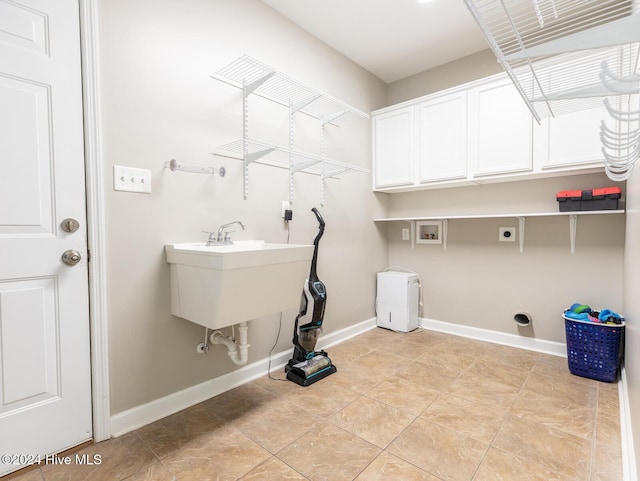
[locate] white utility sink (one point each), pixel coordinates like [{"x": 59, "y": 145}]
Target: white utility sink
[{"x": 218, "y": 286}]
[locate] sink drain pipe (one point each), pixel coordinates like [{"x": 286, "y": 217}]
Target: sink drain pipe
[{"x": 238, "y": 352}]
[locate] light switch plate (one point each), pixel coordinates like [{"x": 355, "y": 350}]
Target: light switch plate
[
  {"x": 405, "y": 234},
  {"x": 130, "y": 179}
]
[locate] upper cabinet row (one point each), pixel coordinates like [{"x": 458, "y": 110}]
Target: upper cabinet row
[{"x": 481, "y": 132}]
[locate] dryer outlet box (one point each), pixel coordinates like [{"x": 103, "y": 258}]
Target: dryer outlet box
[{"x": 507, "y": 234}]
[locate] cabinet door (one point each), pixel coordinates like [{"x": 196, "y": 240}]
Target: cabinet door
[
  {"x": 442, "y": 138},
  {"x": 500, "y": 130},
  {"x": 393, "y": 148},
  {"x": 569, "y": 140}
]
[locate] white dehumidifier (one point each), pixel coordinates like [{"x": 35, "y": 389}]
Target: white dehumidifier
[{"x": 397, "y": 301}]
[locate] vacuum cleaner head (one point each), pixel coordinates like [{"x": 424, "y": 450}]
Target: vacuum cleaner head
[{"x": 307, "y": 372}]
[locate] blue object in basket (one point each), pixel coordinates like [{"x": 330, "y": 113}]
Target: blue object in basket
[
  {"x": 580, "y": 308},
  {"x": 580, "y": 312},
  {"x": 577, "y": 316},
  {"x": 608, "y": 316}
]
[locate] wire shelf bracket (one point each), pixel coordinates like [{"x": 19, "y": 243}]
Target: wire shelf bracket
[{"x": 255, "y": 156}]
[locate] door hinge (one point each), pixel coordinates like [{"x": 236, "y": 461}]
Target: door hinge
[{"x": 88, "y": 255}]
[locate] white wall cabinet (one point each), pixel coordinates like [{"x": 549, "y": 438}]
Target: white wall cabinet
[
  {"x": 442, "y": 138},
  {"x": 475, "y": 133},
  {"x": 500, "y": 130},
  {"x": 569, "y": 140},
  {"x": 394, "y": 150}
]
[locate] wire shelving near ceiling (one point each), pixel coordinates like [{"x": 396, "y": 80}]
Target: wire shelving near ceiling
[
  {"x": 567, "y": 55},
  {"x": 257, "y": 78},
  {"x": 267, "y": 82}
]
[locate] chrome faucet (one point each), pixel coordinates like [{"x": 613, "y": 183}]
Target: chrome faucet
[{"x": 223, "y": 237}]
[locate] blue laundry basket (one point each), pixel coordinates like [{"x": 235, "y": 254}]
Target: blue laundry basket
[{"x": 594, "y": 350}]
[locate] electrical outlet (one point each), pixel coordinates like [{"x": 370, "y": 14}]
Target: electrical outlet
[
  {"x": 130, "y": 179},
  {"x": 507, "y": 234},
  {"x": 286, "y": 205},
  {"x": 405, "y": 234}
]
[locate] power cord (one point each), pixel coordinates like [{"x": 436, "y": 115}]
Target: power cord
[
  {"x": 279, "y": 321},
  {"x": 271, "y": 351},
  {"x": 288, "y": 230}
]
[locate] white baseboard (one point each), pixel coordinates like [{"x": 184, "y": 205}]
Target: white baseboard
[
  {"x": 134, "y": 418},
  {"x": 334, "y": 338},
  {"x": 529, "y": 343},
  {"x": 144, "y": 414},
  {"x": 629, "y": 467}
]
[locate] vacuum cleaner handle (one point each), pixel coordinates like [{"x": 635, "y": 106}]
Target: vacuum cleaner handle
[
  {"x": 320, "y": 231},
  {"x": 319, "y": 217},
  {"x": 313, "y": 276}
]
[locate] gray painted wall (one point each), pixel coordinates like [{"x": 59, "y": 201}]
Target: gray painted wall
[
  {"x": 160, "y": 103},
  {"x": 466, "y": 69},
  {"x": 481, "y": 282}
]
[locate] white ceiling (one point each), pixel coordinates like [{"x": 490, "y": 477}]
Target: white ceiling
[{"x": 392, "y": 39}]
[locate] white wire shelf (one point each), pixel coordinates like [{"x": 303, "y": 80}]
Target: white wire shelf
[
  {"x": 262, "y": 152},
  {"x": 260, "y": 79},
  {"x": 257, "y": 78},
  {"x": 553, "y": 50}
]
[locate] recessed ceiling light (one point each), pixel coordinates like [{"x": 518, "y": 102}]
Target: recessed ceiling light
[{"x": 424, "y": 1}]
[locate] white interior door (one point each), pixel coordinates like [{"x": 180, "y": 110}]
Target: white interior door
[{"x": 45, "y": 384}]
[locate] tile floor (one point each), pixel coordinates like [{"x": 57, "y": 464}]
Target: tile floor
[{"x": 419, "y": 406}]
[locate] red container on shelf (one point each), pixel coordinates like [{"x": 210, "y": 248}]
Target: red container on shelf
[
  {"x": 569, "y": 200},
  {"x": 605, "y": 198}
]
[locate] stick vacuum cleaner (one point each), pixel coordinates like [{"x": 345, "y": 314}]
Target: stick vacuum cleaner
[{"x": 308, "y": 365}]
